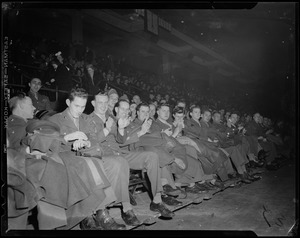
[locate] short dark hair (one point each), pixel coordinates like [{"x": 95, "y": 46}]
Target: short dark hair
[
  {"x": 78, "y": 92},
  {"x": 143, "y": 104},
  {"x": 121, "y": 100},
  {"x": 216, "y": 112},
  {"x": 160, "y": 105},
  {"x": 101, "y": 93},
  {"x": 193, "y": 107}
]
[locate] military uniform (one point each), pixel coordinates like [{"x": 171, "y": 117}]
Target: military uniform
[
  {"x": 117, "y": 171},
  {"x": 137, "y": 160},
  {"x": 40, "y": 102},
  {"x": 16, "y": 130},
  {"x": 213, "y": 160},
  {"x": 81, "y": 183},
  {"x": 253, "y": 131}
]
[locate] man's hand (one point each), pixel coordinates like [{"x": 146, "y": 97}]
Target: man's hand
[
  {"x": 109, "y": 123},
  {"x": 145, "y": 127},
  {"x": 240, "y": 128},
  {"x": 123, "y": 122},
  {"x": 269, "y": 131},
  {"x": 77, "y": 135},
  {"x": 168, "y": 131},
  {"x": 78, "y": 144},
  {"x": 180, "y": 163}
]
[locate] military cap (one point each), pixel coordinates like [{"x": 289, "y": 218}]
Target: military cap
[{"x": 43, "y": 126}]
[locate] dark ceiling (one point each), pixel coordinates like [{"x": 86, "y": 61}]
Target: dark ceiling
[{"x": 259, "y": 37}]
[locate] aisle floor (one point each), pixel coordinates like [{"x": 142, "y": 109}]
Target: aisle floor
[{"x": 267, "y": 207}]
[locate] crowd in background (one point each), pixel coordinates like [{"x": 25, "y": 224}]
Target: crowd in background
[{"x": 110, "y": 71}]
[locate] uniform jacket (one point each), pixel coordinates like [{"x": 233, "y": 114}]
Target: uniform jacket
[
  {"x": 171, "y": 144},
  {"x": 254, "y": 129},
  {"x": 67, "y": 126},
  {"x": 16, "y": 130},
  {"x": 148, "y": 141},
  {"x": 42, "y": 102},
  {"x": 112, "y": 142}
]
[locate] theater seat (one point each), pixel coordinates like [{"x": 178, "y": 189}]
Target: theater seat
[{"x": 137, "y": 179}]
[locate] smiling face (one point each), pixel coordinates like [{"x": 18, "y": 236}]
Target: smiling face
[
  {"x": 76, "y": 106},
  {"x": 112, "y": 100},
  {"x": 136, "y": 99},
  {"x": 100, "y": 104},
  {"x": 35, "y": 85},
  {"x": 206, "y": 116},
  {"x": 143, "y": 113},
  {"x": 122, "y": 110}
]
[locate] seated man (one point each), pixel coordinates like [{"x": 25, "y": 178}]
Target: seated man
[
  {"x": 39, "y": 101},
  {"x": 110, "y": 133},
  {"x": 140, "y": 138},
  {"x": 80, "y": 193},
  {"x": 74, "y": 126},
  {"x": 195, "y": 171},
  {"x": 214, "y": 161},
  {"x": 22, "y": 110},
  {"x": 255, "y": 133},
  {"x": 232, "y": 144},
  {"x": 186, "y": 168}
]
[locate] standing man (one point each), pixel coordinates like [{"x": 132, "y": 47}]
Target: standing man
[{"x": 109, "y": 132}]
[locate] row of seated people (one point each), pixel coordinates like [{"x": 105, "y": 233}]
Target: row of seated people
[{"x": 89, "y": 157}]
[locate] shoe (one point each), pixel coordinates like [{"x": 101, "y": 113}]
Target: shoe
[
  {"x": 106, "y": 222},
  {"x": 170, "y": 201},
  {"x": 161, "y": 208},
  {"x": 253, "y": 177},
  {"x": 89, "y": 224},
  {"x": 193, "y": 189},
  {"x": 130, "y": 218},
  {"x": 204, "y": 188},
  {"x": 232, "y": 176},
  {"x": 272, "y": 166},
  {"x": 219, "y": 184},
  {"x": 171, "y": 191},
  {"x": 244, "y": 178},
  {"x": 182, "y": 194},
  {"x": 254, "y": 164}
]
